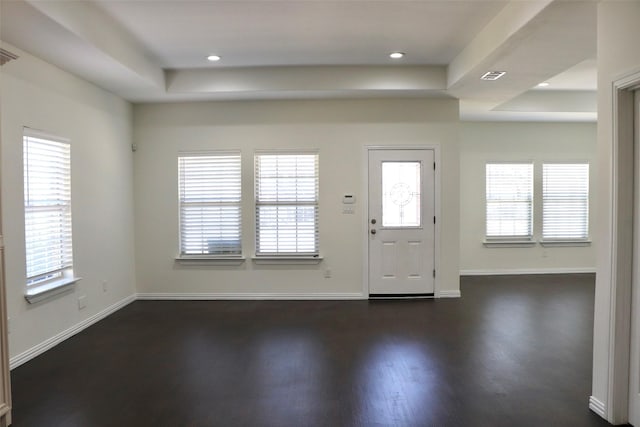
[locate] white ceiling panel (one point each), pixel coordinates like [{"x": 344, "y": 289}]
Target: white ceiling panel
[{"x": 323, "y": 32}]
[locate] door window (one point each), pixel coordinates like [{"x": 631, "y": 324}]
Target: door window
[{"x": 401, "y": 194}]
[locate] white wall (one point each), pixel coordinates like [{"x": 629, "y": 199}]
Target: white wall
[
  {"x": 339, "y": 129},
  {"x": 484, "y": 142},
  {"x": 99, "y": 124},
  {"x": 618, "y": 54}
]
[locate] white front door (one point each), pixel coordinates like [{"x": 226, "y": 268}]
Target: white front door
[
  {"x": 401, "y": 222},
  {"x": 634, "y": 375}
]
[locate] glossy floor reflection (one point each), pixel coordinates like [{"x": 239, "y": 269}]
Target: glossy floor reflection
[{"x": 514, "y": 351}]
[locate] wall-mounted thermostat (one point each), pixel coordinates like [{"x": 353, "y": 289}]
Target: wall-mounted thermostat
[{"x": 348, "y": 199}]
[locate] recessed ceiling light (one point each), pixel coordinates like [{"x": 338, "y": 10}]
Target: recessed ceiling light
[
  {"x": 213, "y": 58},
  {"x": 543, "y": 84},
  {"x": 493, "y": 75},
  {"x": 396, "y": 55}
]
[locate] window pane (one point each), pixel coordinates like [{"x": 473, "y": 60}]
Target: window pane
[
  {"x": 47, "y": 206},
  {"x": 509, "y": 194},
  {"x": 401, "y": 194},
  {"x": 286, "y": 204},
  {"x": 210, "y": 194},
  {"x": 210, "y": 229},
  {"x": 287, "y": 229},
  {"x": 565, "y": 189},
  {"x": 287, "y": 178}
]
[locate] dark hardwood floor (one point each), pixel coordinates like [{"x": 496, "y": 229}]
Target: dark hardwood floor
[{"x": 513, "y": 351}]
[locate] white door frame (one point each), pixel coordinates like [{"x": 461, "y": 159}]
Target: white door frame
[
  {"x": 365, "y": 211},
  {"x": 634, "y": 375},
  {"x": 620, "y": 250}
]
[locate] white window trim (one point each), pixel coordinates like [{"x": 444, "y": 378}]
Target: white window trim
[
  {"x": 511, "y": 241},
  {"x": 286, "y": 258},
  {"x": 52, "y": 288},
  {"x": 207, "y": 259},
  {"x": 538, "y": 197},
  {"x": 506, "y": 242},
  {"x": 214, "y": 259},
  {"x": 47, "y": 289},
  {"x": 564, "y": 241}
]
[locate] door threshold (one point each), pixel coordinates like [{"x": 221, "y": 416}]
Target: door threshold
[{"x": 401, "y": 296}]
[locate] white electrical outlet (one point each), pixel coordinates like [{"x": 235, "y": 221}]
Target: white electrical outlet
[
  {"x": 327, "y": 273},
  {"x": 82, "y": 302},
  {"x": 104, "y": 286}
]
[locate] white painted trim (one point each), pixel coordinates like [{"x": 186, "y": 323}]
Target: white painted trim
[
  {"x": 437, "y": 265},
  {"x": 286, "y": 260},
  {"x": 620, "y": 250},
  {"x": 565, "y": 243},
  {"x": 51, "y": 289},
  {"x": 598, "y": 407},
  {"x": 503, "y": 272},
  {"x": 619, "y": 281},
  {"x": 365, "y": 219},
  {"x": 436, "y": 210},
  {"x": 206, "y": 296},
  {"x": 38, "y": 349},
  {"x": 508, "y": 243},
  {"x": 450, "y": 294},
  {"x": 203, "y": 261},
  {"x": 634, "y": 351}
]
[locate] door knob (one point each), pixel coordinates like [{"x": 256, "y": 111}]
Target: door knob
[
  {"x": 373, "y": 221},
  {"x": 373, "y": 231}
]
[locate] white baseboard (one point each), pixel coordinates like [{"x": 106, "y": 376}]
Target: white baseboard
[
  {"x": 252, "y": 296},
  {"x": 526, "y": 271},
  {"x": 37, "y": 350},
  {"x": 450, "y": 294},
  {"x": 598, "y": 407}
]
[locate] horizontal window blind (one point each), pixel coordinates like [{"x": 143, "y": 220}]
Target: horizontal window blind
[
  {"x": 47, "y": 207},
  {"x": 509, "y": 196},
  {"x": 286, "y": 189},
  {"x": 209, "y": 196},
  {"x": 565, "y": 201}
]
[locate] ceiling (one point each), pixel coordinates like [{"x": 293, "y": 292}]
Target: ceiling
[{"x": 156, "y": 50}]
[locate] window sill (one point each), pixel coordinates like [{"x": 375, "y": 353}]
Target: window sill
[
  {"x": 565, "y": 243},
  {"x": 210, "y": 260},
  {"x": 286, "y": 260},
  {"x": 50, "y": 289},
  {"x": 508, "y": 243}
]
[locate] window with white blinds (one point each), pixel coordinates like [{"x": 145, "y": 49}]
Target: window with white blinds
[
  {"x": 47, "y": 207},
  {"x": 210, "y": 194},
  {"x": 286, "y": 188},
  {"x": 509, "y": 196},
  {"x": 565, "y": 201}
]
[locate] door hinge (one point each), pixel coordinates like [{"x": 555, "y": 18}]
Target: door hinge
[
  {"x": 434, "y": 273},
  {"x": 434, "y": 165},
  {"x": 434, "y": 219}
]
